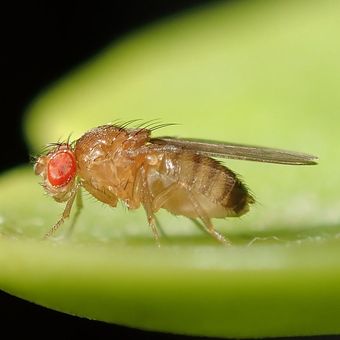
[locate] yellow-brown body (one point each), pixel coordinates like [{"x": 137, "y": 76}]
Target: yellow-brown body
[{"x": 115, "y": 163}]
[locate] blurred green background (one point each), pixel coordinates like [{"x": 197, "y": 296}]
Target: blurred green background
[{"x": 256, "y": 72}]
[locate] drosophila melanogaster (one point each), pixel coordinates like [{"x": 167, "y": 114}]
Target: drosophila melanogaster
[{"x": 114, "y": 162}]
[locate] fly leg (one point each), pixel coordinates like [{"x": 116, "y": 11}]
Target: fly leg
[
  {"x": 152, "y": 224},
  {"x": 162, "y": 197},
  {"x": 208, "y": 226},
  {"x": 157, "y": 203},
  {"x": 79, "y": 206},
  {"x": 66, "y": 213},
  {"x": 141, "y": 189},
  {"x": 151, "y": 220}
]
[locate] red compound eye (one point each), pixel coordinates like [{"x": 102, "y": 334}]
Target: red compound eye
[{"x": 61, "y": 168}]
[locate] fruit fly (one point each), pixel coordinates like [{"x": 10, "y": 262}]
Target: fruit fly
[{"x": 114, "y": 162}]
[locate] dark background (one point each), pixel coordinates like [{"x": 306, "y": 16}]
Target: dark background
[{"x": 39, "y": 43}]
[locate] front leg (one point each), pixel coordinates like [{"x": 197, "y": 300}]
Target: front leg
[{"x": 67, "y": 210}]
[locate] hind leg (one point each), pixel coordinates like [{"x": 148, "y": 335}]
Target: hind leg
[
  {"x": 208, "y": 226},
  {"x": 162, "y": 197}
]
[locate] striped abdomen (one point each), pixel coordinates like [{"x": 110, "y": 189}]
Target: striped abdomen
[{"x": 202, "y": 182}]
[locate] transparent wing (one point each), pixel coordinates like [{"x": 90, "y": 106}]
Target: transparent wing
[{"x": 236, "y": 151}]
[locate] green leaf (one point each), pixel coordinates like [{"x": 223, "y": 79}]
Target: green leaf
[{"x": 255, "y": 72}]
